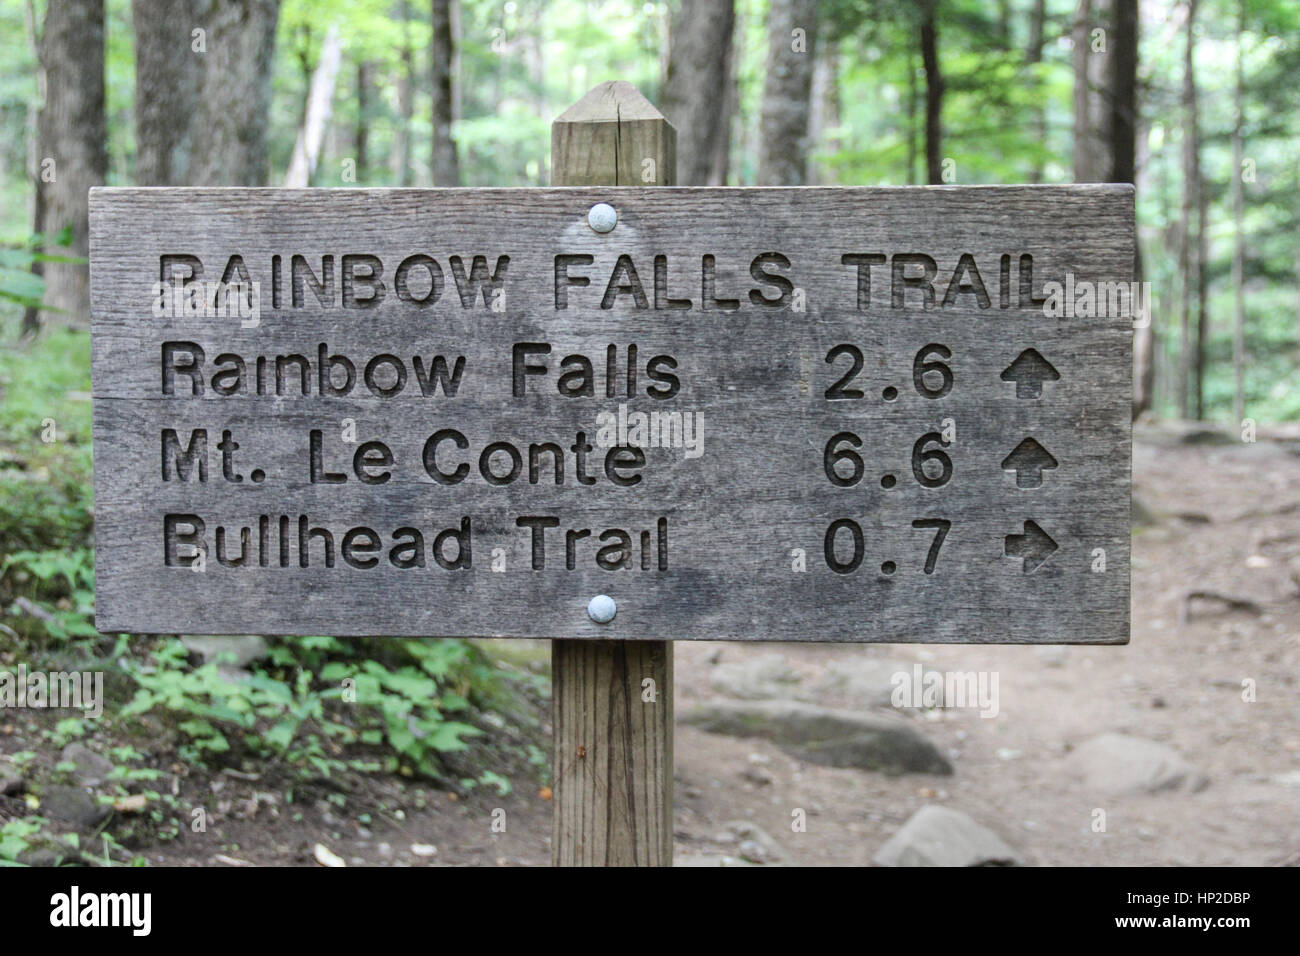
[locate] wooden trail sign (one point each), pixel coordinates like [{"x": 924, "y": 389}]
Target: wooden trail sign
[
  {"x": 734, "y": 368},
  {"x": 830, "y": 414}
]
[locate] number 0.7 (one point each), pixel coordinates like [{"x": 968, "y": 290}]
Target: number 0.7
[{"x": 939, "y": 526}]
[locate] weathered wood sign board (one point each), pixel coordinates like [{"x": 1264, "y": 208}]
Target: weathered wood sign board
[{"x": 751, "y": 414}]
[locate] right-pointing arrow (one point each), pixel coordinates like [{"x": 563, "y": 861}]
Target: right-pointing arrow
[
  {"x": 1029, "y": 371},
  {"x": 1029, "y": 461},
  {"x": 1034, "y": 547}
]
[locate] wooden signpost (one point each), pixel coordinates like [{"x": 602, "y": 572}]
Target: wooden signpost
[
  {"x": 615, "y": 416},
  {"x": 612, "y": 701}
]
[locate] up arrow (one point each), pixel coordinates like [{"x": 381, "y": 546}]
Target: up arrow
[
  {"x": 1029, "y": 461},
  {"x": 1029, "y": 371},
  {"x": 1034, "y": 546}
]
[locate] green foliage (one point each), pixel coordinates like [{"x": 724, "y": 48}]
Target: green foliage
[
  {"x": 489, "y": 779},
  {"x": 18, "y": 283},
  {"x": 45, "y": 459},
  {"x": 24, "y": 834},
  {"x": 14, "y": 838},
  {"x": 316, "y": 706},
  {"x": 69, "y": 573},
  {"x": 315, "y": 698}
]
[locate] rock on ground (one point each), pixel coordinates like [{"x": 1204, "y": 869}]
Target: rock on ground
[
  {"x": 72, "y": 805},
  {"x": 834, "y": 738},
  {"x": 753, "y": 843},
  {"x": 763, "y": 677},
  {"x": 233, "y": 652},
  {"x": 941, "y": 836},
  {"x": 1117, "y": 763},
  {"x": 90, "y": 769},
  {"x": 50, "y": 852},
  {"x": 868, "y": 682}
]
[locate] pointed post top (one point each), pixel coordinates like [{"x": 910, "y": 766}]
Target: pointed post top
[
  {"x": 613, "y": 136},
  {"x": 617, "y": 100}
]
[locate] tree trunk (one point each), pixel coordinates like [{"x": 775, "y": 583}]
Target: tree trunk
[
  {"x": 32, "y": 316},
  {"x": 446, "y": 165},
  {"x": 401, "y": 155},
  {"x": 913, "y": 98},
  {"x": 167, "y": 75},
  {"x": 1037, "y": 20},
  {"x": 825, "y": 115},
  {"x": 1121, "y": 90},
  {"x": 537, "y": 78},
  {"x": 933, "y": 92},
  {"x": 361, "y": 134},
  {"x": 1033, "y": 57},
  {"x": 1166, "y": 376},
  {"x": 458, "y": 77},
  {"x": 1106, "y": 35},
  {"x": 694, "y": 97},
  {"x": 1238, "y": 228},
  {"x": 787, "y": 89},
  {"x": 720, "y": 167},
  {"x": 1202, "y": 289},
  {"x": 1202, "y": 237},
  {"x": 230, "y": 145},
  {"x": 1084, "y": 165},
  {"x": 316, "y": 118},
  {"x": 73, "y": 156},
  {"x": 1119, "y": 98},
  {"x": 1189, "y": 371},
  {"x": 1099, "y": 82},
  {"x": 1004, "y": 24}
]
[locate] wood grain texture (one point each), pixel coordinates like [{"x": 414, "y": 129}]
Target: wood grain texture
[
  {"x": 613, "y": 766},
  {"x": 757, "y": 375},
  {"x": 612, "y": 702},
  {"x": 613, "y": 136}
]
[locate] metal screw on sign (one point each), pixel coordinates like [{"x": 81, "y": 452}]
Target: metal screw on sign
[
  {"x": 602, "y": 217},
  {"x": 602, "y": 609}
]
